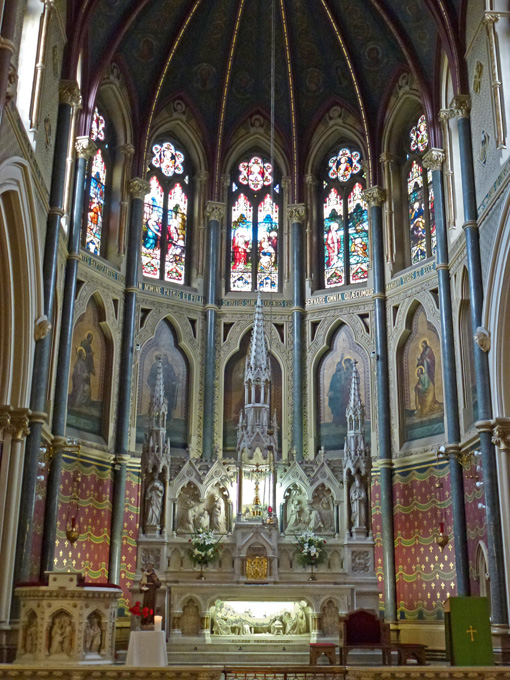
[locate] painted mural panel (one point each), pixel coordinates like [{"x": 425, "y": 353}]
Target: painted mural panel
[
  {"x": 422, "y": 381},
  {"x": 334, "y": 385},
  {"x": 176, "y": 379},
  {"x": 234, "y": 394},
  {"x": 87, "y": 377}
]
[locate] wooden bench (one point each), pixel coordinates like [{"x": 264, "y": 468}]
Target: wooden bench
[
  {"x": 362, "y": 629},
  {"x": 317, "y": 649}
]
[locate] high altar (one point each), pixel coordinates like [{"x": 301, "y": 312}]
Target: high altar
[{"x": 256, "y": 597}]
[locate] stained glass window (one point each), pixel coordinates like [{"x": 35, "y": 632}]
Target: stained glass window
[
  {"x": 152, "y": 225},
  {"x": 334, "y": 270},
  {"x": 267, "y": 270},
  {"x": 168, "y": 159},
  {"x": 419, "y": 135},
  {"x": 98, "y": 128},
  {"x": 255, "y": 173},
  {"x": 358, "y": 235},
  {"x": 432, "y": 214},
  {"x": 95, "y": 212},
  {"x": 417, "y": 213},
  {"x": 254, "y": 230},
  {"x": 164, "y": 236},
  {"x": 344, "y": 165},
  {"x": 345, "y": 221}
]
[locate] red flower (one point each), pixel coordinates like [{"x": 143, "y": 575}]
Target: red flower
[
  {"x": 135, "y": 609},
  {"x": 146, "y": 612}
]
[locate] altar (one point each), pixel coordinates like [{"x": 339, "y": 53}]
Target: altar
[{"x": 253, "y": 593}]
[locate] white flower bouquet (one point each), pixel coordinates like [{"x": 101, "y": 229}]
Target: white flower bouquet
[
  {"x": 310, "y": 549},
  {"x": 205, "y": 547}
]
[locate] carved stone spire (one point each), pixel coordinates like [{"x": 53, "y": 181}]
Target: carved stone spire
[
  {"x": 158, "y": 406},
  {"x": 356, "y": 451},
  {"x": 256, "y": 429},
  {"x": 258, "y": 367}
]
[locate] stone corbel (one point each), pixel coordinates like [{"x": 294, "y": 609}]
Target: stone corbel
[
  {"x": 460, "y": 106},
  {"x": 482, "y": 337},
  {"x": 85, "y": 147},
  {"x": 41, "y": 327}
]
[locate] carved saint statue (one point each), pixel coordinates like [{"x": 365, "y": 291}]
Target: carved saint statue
[
  {"x": 92, "y": 635},
  {"x": 61, "y": 635},
  {"x": 148, "y": 585},
  {"x": 187, "y": 511},
  {"x": 358, "y": 498},
  {"x": 217, "y": 513},
  {"x": 154, "y": 500}
]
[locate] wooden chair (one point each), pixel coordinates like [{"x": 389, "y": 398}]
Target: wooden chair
[{"x": 362, "y": 629}]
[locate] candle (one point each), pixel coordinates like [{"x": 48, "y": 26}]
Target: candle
[{"x": 157, "y": 623}]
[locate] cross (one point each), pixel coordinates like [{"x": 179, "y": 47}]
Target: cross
[{"x": 471, "y": 632}]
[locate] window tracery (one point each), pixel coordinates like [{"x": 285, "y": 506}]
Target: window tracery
[
  {"x": 255, "y": 209},
  {"x": 345, "y": 221},
  {"x": 166, "y": 211}
]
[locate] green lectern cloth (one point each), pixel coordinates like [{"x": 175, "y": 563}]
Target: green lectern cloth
[{"x": 468, "y": 632}]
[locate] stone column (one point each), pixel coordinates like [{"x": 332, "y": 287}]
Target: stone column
[
  {"x": 138, "y": 188},
  {"x": 7, "y": 47},
  {"x": 85, "y": 149},
  {"x": 16, "y": 425},
  {"x": 127, "y": 151},
  {"x": 296, "y": 215},
  {"x": 375, "y": 197},
  {"x": 69, "y": 97},
  {"x": 461, "y": 106},
  {"x": 433, "y": 161},
  {"x": 490, "y": 19},
  {"x": 214, "y": 211}
]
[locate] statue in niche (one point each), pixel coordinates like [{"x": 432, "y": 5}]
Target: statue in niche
[
  {"x": 188, "y": 508},
  {"x": 358, "y": 498},
  {"x": 297, "y": 512},
  {"x": 92, "y": 635},
  {"x": 154, "y": 500},
  {"x": 61, "y": 635},
  {"x": 339, "y": 389},
  {"x": 217, "y": 514},
  {"x": 148, "y": 585},
  {"x": 298, "y": 624},
  {"x": 203, "y": 520},
  {"x": 222, "y": 621},
  {"x": 321, "y": 511},
  {"x": 30, "y": 632}
]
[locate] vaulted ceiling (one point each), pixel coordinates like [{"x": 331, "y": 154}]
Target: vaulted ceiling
[{"x": 216, "y": 55}]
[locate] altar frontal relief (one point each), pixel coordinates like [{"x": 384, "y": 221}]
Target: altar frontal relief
[
  {"x": 422, "y": 381},
  {"x": 260, "y": 619},
  {"x": 175, "y": 377},
  {"x": 334, "y": 384},
  {"x": 87, "y": 380}
]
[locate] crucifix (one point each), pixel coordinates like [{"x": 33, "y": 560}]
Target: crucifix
[{"x": 471, "y": 632}]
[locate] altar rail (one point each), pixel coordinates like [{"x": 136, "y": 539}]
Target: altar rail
[{"x": 10, "y": 672}]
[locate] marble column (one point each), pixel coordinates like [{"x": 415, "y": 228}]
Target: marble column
[
  {"x": 15, "y": 425},
  {"x": 461, "y": 106},
  {"x": 138, "y": 189},
  {"x": 85, "y": 149},
  {"x": 7, "y": 47},
  {"x": 214, "y": 212},
  {"x": 433, "y": 161},
  {"x": 375, "y": 196},
  {"x": 296, "y": 215},
  {"x": 69, "y": 98}
]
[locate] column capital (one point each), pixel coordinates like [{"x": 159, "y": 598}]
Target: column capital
[
  {"x": 434, "y": 159},
  {"x": 202, "y": 177},
  {"x": 138, "y": 188},
  {"x": 127, "y": 149},
  {"x": 286, "y": 182},
  {"x": 85, "y": 147},
  {"x": 69, "y": 93},
  {"x": 310, "y": 180},
  {"x": 501, "y": 433},
  {"x": 296, "y": 212},
  {"x": 214, "y": 210},
  {"x": 387, "y": 157},
  {"x": 18, "y": 426},
  {"x": 461, "y": 106},
  {"x": 375, "y": 195}
]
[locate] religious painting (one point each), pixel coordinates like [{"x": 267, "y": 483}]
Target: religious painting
[
  {"x": 234, "y": 395},
  {"x": 87, "y": 377},
  {"x": 422, "y": 381},
  {"x": 176, "y": 385},
  {"x": 334, "y": 387}
]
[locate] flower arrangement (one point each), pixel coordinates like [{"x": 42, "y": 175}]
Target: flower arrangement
[
  {"x": 142, "y": 612},
  {"x": 310, "y": 549},
  {"x": 205, "y": 547}
]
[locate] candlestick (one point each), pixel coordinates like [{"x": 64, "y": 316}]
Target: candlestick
[{"x": 157, "y": 623}]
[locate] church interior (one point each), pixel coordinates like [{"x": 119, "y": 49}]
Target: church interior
[{"x": 257, "y": 256}]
